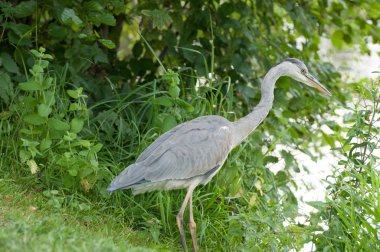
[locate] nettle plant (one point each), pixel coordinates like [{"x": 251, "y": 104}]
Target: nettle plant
[{"x": 50, "y": 120}]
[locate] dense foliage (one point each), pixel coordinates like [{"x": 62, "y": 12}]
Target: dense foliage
[
  {"x": 351, "y": 212},
  {"x": 86, "y": 86}
]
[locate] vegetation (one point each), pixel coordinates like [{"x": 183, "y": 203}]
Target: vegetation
[
  {"x": 86, "y": 86},
  {"x": 31, "y": 220},
  {"x": 352, "y": 209}
]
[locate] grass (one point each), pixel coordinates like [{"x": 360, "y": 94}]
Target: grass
[{"x": 31, "y": 220}]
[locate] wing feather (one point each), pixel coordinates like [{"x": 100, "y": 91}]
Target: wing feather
[
  {"x": 157, "y": 143},
  {"x": 189, "y": 150}
]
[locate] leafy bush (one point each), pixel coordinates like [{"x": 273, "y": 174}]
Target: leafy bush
[
  {"x": 349, "y": 220},
  {"x": 40, "y": 128}
]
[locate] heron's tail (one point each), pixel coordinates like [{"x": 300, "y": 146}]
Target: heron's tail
[{"x": 128, "y": 178}]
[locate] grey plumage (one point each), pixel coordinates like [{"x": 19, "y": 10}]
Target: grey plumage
[
  {"x": 175, "y": 158},
  {"x": 193, "y": 152}
]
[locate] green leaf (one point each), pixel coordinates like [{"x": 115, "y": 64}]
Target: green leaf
[
  {"x": 86, "y": 170},
  {"x": 73, "y": 172},
  {"x": 70, "y": 136},
  {"x": 59, "y": 125},
  {"x": 44, "y": 110},
  {"x": 24, "y": 155},
  {"x": 329, "y": 139},
  {"x": 76, "y": 125},
  {"x": 174, "y": 91},
  {"x": 337, "y": 39},
  {"x": 270, "y": 159},
  {"x": 69, "y": 17},
  {"x": 34, "y": 131},
  {"x": 29, "y": 143},
  {"x": 6, "y": 88},
  {"x": 79, "y": 90},
  {"x": 34, "y": 119},
  {"x": 21, "y": 30},
  {"x": 57, "y": 31},
  {"x": 24, "y": 9},
  {"x": 319, "y": 205},
  {"x": 47, "y": 82},
  {"x": 85, "y": 143},
  {"x": 37, "y": 69},
  {"x": 45, "y": 144},
  {"x": 282, "y": 178},
  {"x": 96, "y": 148},
  {"x": 54, "y": 192},
  {"x": 93, "y": 6},
  {"x": 107, "y": 19},
  {"x": 23, "y": 41},
  {"x": 30, "y": 86},
  {"x": 35, "y": 53},
  {"x": 49, "y": 98},
  {"x": 8, "y": 63},
  {"x": 102, "y": 18},
  {"x": 44, "y": 64},
  {"x": 187, "y": 106},
  {"x": 289, "y": 159},
  {"x": 47, "y": 56},
  {"x": 165, "y": 101},
  {"x": 83, "y": 36},
  {"x": 168, "y": 123},
  {"x": 107, "y": 43},
  {"x": 171, "y": 77},
  {"x": 73, "y": 107},
  {"x": 73, "y": 94},
  {"x": 160, "y": 18}
]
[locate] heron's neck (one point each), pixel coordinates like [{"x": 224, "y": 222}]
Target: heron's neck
[{"x": 244, "y": 126}]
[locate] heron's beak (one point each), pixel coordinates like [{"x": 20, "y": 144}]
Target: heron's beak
[{"x": 314, "y": 83}]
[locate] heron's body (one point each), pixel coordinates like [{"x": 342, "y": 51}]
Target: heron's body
[
  {"x": 193, "y": 152},
  {"x": 179, "y": 158}
]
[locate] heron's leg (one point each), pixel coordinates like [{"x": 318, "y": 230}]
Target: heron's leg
[
  {"x": 192, "y": 225},
  {"x": 179, "y": 217}
]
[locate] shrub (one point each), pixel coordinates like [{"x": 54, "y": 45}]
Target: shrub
[
  {"x": 349, "y": 220},
  {"x": 41, "y": 127}
]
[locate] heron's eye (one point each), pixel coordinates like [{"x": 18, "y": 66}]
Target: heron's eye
[{"x": 303, "y": 71}]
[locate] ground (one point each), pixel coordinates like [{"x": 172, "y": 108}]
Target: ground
[{"x": 32, "y": 220}]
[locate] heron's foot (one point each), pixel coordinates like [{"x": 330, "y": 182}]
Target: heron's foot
[
  {"x": 193, "y": 232},
  {"x": 179, "y": 219}
]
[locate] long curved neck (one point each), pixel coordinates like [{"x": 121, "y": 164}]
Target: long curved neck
[{"x": 244, "y": 126}]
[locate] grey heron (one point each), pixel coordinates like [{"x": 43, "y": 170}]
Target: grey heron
[{"x": 191, "y": 153}]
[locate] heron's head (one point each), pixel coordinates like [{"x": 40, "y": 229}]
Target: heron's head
[{"x": 297, "y": 70}]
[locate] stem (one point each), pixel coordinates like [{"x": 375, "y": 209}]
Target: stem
[
  {"x": 212, "y": 50},
  {"x": 364, "y": 158},
  {"x": 152, "y": 51}
]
